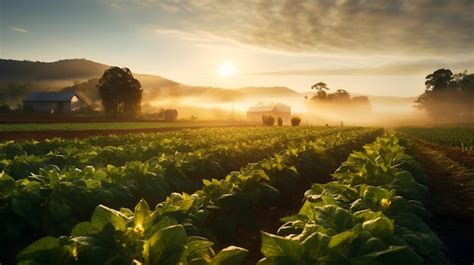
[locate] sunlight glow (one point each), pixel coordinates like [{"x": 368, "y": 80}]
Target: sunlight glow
[{"x": 226, "y": 69}]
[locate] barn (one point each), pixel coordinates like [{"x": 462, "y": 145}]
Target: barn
[
  {"x": 276, "y": 110},
  {"x": 52, "y": 102},
  {"x": 171, "y": 114}
]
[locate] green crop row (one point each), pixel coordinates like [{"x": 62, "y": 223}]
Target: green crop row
[
  {"x": 216, "y": 212},
  {"x": 462, "y": 138},
  {"x": 19, "y": 160},
  {"x": 52, "y": 200},
  {"x": 372, "y": 213}
]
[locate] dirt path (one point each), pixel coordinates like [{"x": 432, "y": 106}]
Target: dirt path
[{"x": 452, "y": 202}]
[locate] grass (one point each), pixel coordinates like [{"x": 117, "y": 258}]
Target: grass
[{"x": 23, "y": 127}]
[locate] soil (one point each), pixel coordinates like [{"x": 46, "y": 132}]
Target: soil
[
  {"x": 463, "y": 157},
  {"x": 452, "y": 199}
]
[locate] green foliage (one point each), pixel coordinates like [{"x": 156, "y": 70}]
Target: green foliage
[
  {"x": 268, "y": 120},
  {"x": 448, "y": 97},
  {"x": 120, "y": 92},
  {"x": 58, "y": 183},
  {"x": 124, "y": 237},
  {"x": 462, "y": 138},
  {"x": 295, "y": 121},
  {"x": 216, "y": 211},
  {"x": 371, "y": 214},
  {"x": 4, "y": 108}
]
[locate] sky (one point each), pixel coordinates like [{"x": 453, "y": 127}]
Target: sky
[{"x": 377, "y": 47}]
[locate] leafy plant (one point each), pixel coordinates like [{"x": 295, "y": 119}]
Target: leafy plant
[
  {"x": 361, "y": 218},
  {"x": 141, "y": 236}
]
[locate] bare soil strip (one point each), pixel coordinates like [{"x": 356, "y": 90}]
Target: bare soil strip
[
  {"x": 452, "y": 201},
  {"x": 463, "y": 157}
]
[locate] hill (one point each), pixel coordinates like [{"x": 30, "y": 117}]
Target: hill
[
  {"x": 72, "y": 69},
  {"x": 17, "y": 78}
]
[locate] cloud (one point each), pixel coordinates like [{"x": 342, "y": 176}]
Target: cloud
[
  {"x": 398, "y": 68},
  {"x": 19, "y": 29},
  {"x": 369, "y": 27}
]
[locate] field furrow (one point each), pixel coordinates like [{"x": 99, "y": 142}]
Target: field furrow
[{"x": 451, "y": 200}]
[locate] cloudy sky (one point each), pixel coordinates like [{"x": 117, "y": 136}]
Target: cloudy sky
[{"x": 382, "y": 47}]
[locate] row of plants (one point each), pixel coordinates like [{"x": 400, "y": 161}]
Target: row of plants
[
  {"x": 190, "y": 137},
  {"x": 372, "y": 213},
  {"x": 53, "y": 200},
  {"x": 21, "y": 159},
  {"x": 462, "y": 138},
  {"x": 216, "y": 212}
]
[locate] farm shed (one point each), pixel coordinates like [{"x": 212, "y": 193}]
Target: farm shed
[
  {"x": 52, "y": 102},
  {"x": 171, "y": 115},
  {"x": 276, "y": 110}
]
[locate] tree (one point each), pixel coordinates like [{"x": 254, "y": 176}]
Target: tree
[
  {"x": 320, "y": 87},
  {"x": 465, "y": 84},
  {"x": 439, "y": 80},
  {"x": 120, "y": 92},
  {"x": 340, "y": 94},
  {"x": 448, "y": 96},
  {"x": 295, "y": 121},
  {"x": 280, "y": 121},
  {"x": 268, "y": 120}
]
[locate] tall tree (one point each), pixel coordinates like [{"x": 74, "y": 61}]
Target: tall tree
[
  {"x": 120, "y": 92},
  {"x": 465, "y": 84},
  {"x": 440, "y": 79},
  {"x": 340, "y": 95},
  {"x": 448, "y": 97},
  {"x": 320, "y": 89}
]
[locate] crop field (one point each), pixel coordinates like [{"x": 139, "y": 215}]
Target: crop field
[
  {"x": 462, "y": 138},
  {"x": 266, "y": 195},
  {"x": 84, "y": 126}
]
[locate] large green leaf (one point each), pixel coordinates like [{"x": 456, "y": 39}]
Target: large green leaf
[
  {"x": 317, "y": 244},
  {"x": 142, "y": 215},
  {"x": 230, "y": 256},
  {"x": 7, "y": 185},
  {"x": 394, "y": 255},
  {"x": 341, "y": 238},
  {"x": 380, "y": 227},
  {"x": 166, "y": 246},
  {"x": 84, "y": 229},
  {"x": 103, "y": 215},
  {"x": 41, "y": 247},
  {"x": 275, "y": 246}
]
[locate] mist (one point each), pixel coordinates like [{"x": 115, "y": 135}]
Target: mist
[{"x": 384, "y": 111}]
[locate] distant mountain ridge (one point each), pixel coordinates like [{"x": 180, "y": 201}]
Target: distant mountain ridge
[
  {"x": 63, "y": 69},
  {"x": 81, "y": 76}
]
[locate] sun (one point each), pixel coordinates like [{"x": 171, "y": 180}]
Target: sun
[{"x": 226, "y": 69}]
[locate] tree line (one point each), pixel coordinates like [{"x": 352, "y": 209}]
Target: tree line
[{"x": 448, "y": 97}]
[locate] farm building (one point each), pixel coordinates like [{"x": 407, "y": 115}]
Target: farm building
[
  {"x": 171, "y": 115},
  {"x": 276, "y": 110},
  {"x": 52, "y": 102}
]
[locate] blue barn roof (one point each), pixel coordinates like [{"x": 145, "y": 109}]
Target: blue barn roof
[{"x": 63, "y": 96}]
